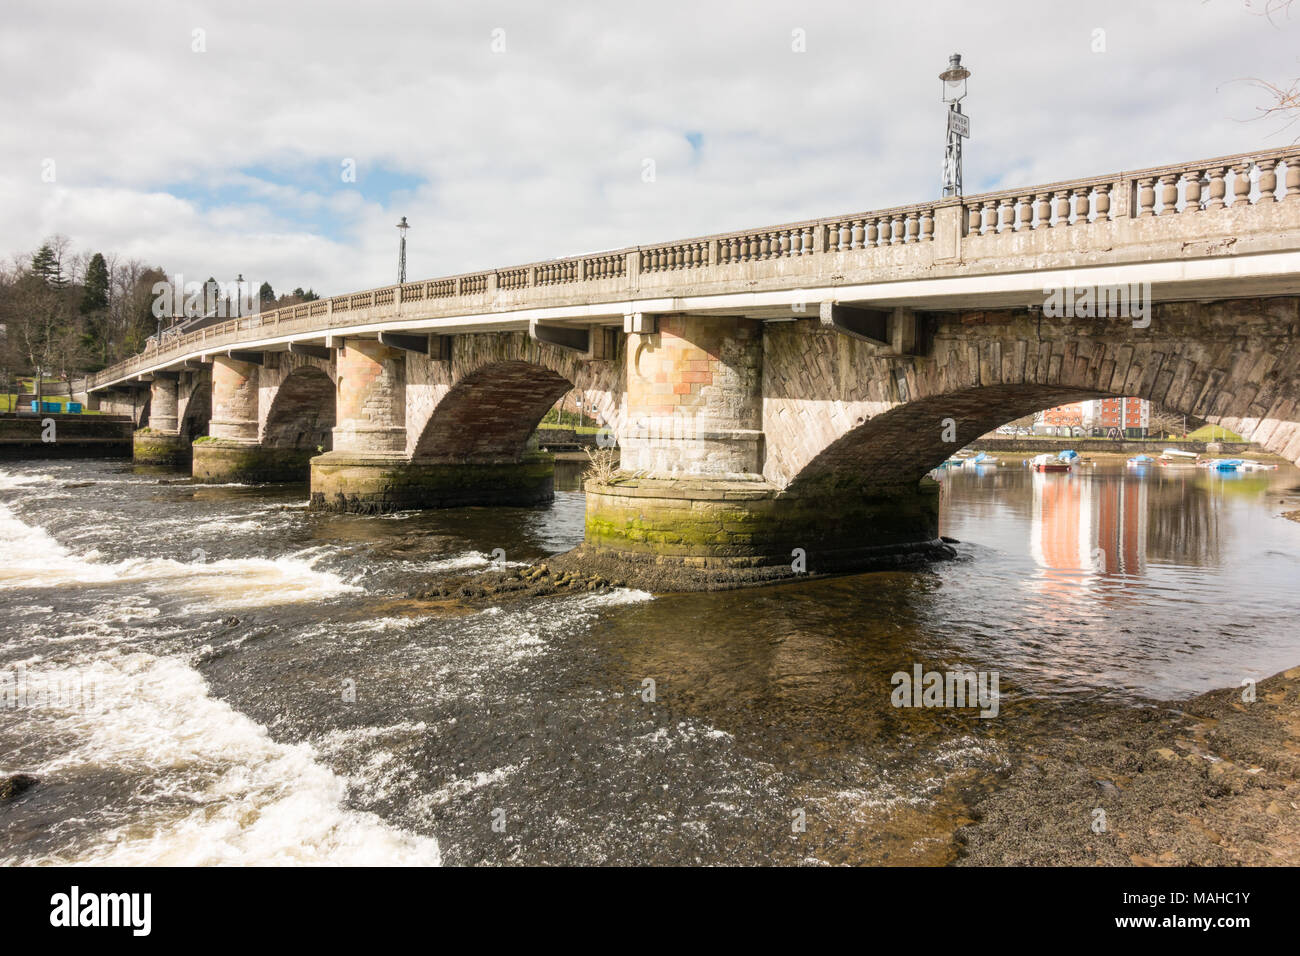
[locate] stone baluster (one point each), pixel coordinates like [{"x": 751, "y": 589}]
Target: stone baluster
[
  {"x": 1192, "y": 191},
  {"x": 1146, "y": 198},
  {"x": 896, "y": 229},
  {"x": 1006, "y": 216},
  {"x": 856, "y": 235},
  {"x": 1103, "y": 203},
  {"x": 1024, "y": 213},
  {"x": 973, "y": 219},
  {"x": 1241, "y": 184},
  {"x": 988, "y": 216},
  {"x": 1043, "y": 207},
  {"x": 873, "y": 235},
  {"x": 885, "y": 230},
  {"x": 913, "y": 226},
  {"x": 1218, "y": 188},
  {"x": 1082, "y": 204},
  {"x": 1292, "y": 179},
  {"x": 927, "y": 225},
  {"x": 1061, "y": 202},
  {"x": 1168, "y": 193},
  {"x": 1267, "y": 180}
]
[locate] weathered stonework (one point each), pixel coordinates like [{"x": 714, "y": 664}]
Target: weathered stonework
[
  {"x": 733, "y": 529},
  {"x": 482, "y": 403},
  {"x": 160, "y": 450},
  {"x": 234, "y": 400},
  {"x": 222, "y": 461},
  {"x": 372, "y": 484},
  {"x": 371, "y": 398},
  {"x": 694, "y": 400},
  {"x": 163, "y": 403}
]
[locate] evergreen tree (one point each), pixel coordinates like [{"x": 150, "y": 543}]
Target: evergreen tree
[
  {"x": 95, "y": 296},
  {"x": 45, "y": 265},
  {"x": 266, "y": 295}
]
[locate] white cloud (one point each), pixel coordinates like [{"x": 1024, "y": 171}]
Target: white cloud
[{"x": 537, "y": 152}]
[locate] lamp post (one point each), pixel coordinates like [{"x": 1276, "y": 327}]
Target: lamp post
[
  {"x": 954, "y": 91},
  {"x": 401, "y": 251}
]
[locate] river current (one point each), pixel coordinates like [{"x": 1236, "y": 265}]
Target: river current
[{"x": 217, "y": 675}]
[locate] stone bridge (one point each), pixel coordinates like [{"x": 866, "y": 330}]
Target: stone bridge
[{"x": 773, "y": 389}]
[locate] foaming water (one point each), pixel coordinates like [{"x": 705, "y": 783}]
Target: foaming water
[
  {"x": 268, "y": 688},
  {"x": 213, "y": 787}
]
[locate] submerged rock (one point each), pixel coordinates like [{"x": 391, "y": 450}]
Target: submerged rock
[{"x": 16, "y": 784}]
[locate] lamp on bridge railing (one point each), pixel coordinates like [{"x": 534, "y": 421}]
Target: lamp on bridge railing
[
  {"x": 401, "y": 251},
  {"x": 954, "y": 91}
]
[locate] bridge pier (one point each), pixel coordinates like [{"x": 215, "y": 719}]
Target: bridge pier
[
  {"x": 160, "y": 444},
  {"x": 690, "y": 505},
  {"x": 370, "y": 470},
  {"x": 231, "y": 452}
]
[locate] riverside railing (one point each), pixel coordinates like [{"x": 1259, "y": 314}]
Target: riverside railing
[{"x": 1203, "y": 187}]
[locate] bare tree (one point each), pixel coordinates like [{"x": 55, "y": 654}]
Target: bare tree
[{"x": 1283, "y": 97}]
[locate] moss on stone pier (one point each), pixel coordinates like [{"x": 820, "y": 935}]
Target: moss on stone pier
[
  {"x": 372, "y": 484},
  {"x": 221, "y": 460},
  {"x": 720, "y": 524},
  {"x": 159, "y": 449}
]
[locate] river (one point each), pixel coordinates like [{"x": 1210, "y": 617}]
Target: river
[{"x": 216, "y": 675}]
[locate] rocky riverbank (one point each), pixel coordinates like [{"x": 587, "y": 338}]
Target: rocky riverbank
[
  {"x": 1210, "y": 781},
  {"x": 584, "y": 570}
]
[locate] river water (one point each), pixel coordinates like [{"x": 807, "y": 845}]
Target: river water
[{"x": 207, "y": 675}]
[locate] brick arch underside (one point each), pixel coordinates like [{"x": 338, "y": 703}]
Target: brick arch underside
[
  {"x": 489, "y": 415},
  {"x": 1233, "y": 363},
  {"x": 897, "y": 448},
  {"x": 302, "y": 413},
  {"x": 198, "y": 410}
]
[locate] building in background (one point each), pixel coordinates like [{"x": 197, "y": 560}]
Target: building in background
[{"x": 1101, "y": 417}]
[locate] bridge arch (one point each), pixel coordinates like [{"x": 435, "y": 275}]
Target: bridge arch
[
  {"x": 484, "y": 404},
  {"x": 885, "y": 421},
  {"x": 196, "y": 407},
  {"x": 302, "y": 411}
]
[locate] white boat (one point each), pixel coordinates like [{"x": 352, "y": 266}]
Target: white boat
[{"x": 1179, "y": 457}]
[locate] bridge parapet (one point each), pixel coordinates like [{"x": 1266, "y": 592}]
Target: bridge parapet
[{"x": 1200, "y": 208}]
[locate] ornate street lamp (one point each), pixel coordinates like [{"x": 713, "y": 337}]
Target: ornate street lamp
[
  {"x": 954, "y": 91},
  {"x": 401, "y": 251}
]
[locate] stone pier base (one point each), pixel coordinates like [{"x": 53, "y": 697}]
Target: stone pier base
[
  {"x": 697, "y": 533},
  {"x": 222, "y": 460},
  {"x": 160, "y": 450},
  {"x": 375, "y": 483}
]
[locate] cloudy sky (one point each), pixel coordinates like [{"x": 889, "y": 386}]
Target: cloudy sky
[{"x": 215, "y": 138}]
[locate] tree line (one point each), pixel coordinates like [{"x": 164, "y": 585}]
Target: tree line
[{"x": 64, "y": 312}]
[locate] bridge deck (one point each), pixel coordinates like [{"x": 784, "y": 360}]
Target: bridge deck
[{"x": 1205, "y": 229}]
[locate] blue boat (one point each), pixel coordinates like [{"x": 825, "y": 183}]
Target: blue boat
[{"x": 1069, "y": 455}]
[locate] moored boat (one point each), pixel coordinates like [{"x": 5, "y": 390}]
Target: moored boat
[{"x": 1048, "y": 463}]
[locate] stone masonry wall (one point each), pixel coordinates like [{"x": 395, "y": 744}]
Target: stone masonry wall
[
  {"x": 485, "y": 401},
  {"x": 694, "y": 405},
  {"x": 835, "y": 407},
  {"x": 371, "y": 395},
  {"x": 234, "y": 400}
]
